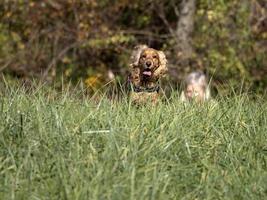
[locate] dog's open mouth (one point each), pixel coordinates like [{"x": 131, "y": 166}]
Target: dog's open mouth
[{"x": 147, "y": 72}]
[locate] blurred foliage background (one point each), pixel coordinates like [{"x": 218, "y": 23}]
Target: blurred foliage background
[{"x": 91, "y": 40}]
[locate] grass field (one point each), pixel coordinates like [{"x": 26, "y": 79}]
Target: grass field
[{"x": 66, "y": 146}]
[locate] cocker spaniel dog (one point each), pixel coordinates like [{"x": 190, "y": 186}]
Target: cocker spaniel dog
[{"x": 147, "y": 67}]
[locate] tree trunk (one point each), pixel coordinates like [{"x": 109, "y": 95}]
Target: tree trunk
[
  {"x": 185, "y": 27},
  {"x": 258, "y": 17}
]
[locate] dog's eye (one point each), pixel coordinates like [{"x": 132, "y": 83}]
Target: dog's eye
[
  {"x": 155, "y": 56},
  {"x": 144, "y": 56}
]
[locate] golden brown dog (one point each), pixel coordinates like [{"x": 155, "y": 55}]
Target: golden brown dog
[{"x": 147, "y": 67}]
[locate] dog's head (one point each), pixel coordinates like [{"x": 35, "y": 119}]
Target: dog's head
[
  {"x": 149, "y": 61},
  {"x": 147, "y": 64}
]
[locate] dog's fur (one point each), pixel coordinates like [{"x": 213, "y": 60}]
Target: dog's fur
[{"x": 147, "y": 67}]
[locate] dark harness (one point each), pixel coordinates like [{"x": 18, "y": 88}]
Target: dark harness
[
  {"x": 146, "y": 89},
  {"x": 138, "y": 89}
]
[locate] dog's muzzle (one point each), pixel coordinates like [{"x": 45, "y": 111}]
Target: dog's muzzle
[{"x": 148, "y": 64}]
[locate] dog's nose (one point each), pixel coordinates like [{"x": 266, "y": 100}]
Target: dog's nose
[{"x": 148, "y": 63}]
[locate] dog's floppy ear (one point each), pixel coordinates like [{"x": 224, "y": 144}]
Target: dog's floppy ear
[
  {"x": 162, "y": 59},
  {"x": 134, "y": 63},
  {"x": 162, "y": 69},
  {"x": 135, "y": 56}
]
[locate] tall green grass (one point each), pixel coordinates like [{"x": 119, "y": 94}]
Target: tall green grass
[{"x": 67, "y": 146}]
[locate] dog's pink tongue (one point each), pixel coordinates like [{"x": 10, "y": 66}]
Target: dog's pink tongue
[{"x": 147, "y": 73}]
